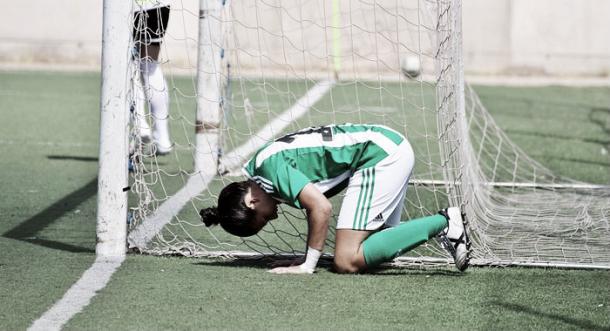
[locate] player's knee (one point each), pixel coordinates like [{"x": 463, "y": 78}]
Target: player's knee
[{"x": 345, "y": 265}]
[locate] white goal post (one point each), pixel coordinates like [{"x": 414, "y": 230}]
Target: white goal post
[
  {"x": 249, "y": 71},
  {"x": 112, "y": 176}
]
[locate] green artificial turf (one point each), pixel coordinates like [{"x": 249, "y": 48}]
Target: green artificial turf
[
  {"x": 48, "y": 142},
  {"x": 152, "y": 293},
  {"x": 48, "y": 147}
]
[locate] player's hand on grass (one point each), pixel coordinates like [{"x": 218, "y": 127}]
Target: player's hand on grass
[
  {"x": 295, "y": 269},
  {"x": 286, "y": 262}
]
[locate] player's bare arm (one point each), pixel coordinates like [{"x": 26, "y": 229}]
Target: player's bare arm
[{"x": 319, "y": 210}]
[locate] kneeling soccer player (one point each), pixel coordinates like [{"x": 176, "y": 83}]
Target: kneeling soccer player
[{"x": 306, "y": 167}]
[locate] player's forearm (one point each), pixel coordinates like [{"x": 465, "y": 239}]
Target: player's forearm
[
  {"x": 318, "y": 210},
  {"x": 318, "y": 219}
]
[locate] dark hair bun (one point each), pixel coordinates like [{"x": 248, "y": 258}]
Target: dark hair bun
[{"x": 209, "y": 216}]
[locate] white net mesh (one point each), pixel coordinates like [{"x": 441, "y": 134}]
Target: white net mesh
[
  {"x": 524, "y": 213},
  {"x": 281, "y": 66}
]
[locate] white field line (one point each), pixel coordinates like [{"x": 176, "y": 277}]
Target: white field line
[
  {"x": 143, "y": 233},
  {"x": 146, "y": 231},
  {"x": 275, "y": 127},
  {"x": 79, "y": 295},
  {"x": 98, "y": 275}
]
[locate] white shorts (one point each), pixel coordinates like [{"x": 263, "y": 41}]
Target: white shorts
[
  {"x": 149, "y": 25},
  {"x": 375, "y": 195}
]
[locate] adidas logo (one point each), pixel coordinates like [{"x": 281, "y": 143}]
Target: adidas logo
[{"x": 378, "y": 218}]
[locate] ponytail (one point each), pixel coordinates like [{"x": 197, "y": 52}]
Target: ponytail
[{"x": 209, "y": 216}]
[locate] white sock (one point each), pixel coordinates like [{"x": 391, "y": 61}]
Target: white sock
[
  {"x": 139, "y": 112},
  {"x": 158, "y": 98}
]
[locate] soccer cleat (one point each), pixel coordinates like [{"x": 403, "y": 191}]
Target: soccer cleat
[
  {"x": 161, "y": 140},
  {"x": 454, "y": 238},
  {"x": 145, "y": 135},
  {"x": 163, "y": 146}
]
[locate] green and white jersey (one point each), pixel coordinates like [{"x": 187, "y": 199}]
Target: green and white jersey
[{"x": 326, "y": 156}]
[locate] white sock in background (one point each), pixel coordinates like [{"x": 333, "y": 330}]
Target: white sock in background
[
  {"x": 158, "y": 98},
  {"x": 141, "y": 120}
]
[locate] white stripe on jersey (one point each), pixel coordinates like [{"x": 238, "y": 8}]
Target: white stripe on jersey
[
  {"x": 339, "y": 140},
  {"x": 328, "y": 184},
  {"x": 264, "y": 180},
  {"x": 264, "y": 184}
]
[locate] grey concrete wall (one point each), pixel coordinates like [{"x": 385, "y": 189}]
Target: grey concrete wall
[
  {"x": 542, "y": 37},
  {"x": 58, "y": 31},
  {"x": 549, "y": 37}
]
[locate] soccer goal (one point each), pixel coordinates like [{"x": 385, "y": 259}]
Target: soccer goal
[{"x": 243, "y": 72}]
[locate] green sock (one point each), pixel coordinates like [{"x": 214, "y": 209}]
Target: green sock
[{"x": 385, "y": 245}]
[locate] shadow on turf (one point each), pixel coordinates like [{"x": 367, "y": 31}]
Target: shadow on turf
[
  {"x": 266, "y": 263},
  {"x": 86, "y": 159},
  {"x": 580, "y": 323},
  {"x": 601, "y": 118},
  {"x": 27, "y": 230},
  {"x": 597, "y": 116},
  {"x": 556, "y": 136},
  {"x": 72, "y": 158}
]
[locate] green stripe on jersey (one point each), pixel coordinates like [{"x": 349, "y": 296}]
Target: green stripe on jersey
[
  {"x": 356, "y": 224},
  {"x": 363, "y": 206},
  {"x": 364, "y": 220}
]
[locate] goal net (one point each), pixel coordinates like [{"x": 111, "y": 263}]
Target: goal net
[{"x": 241, "y": 73}]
